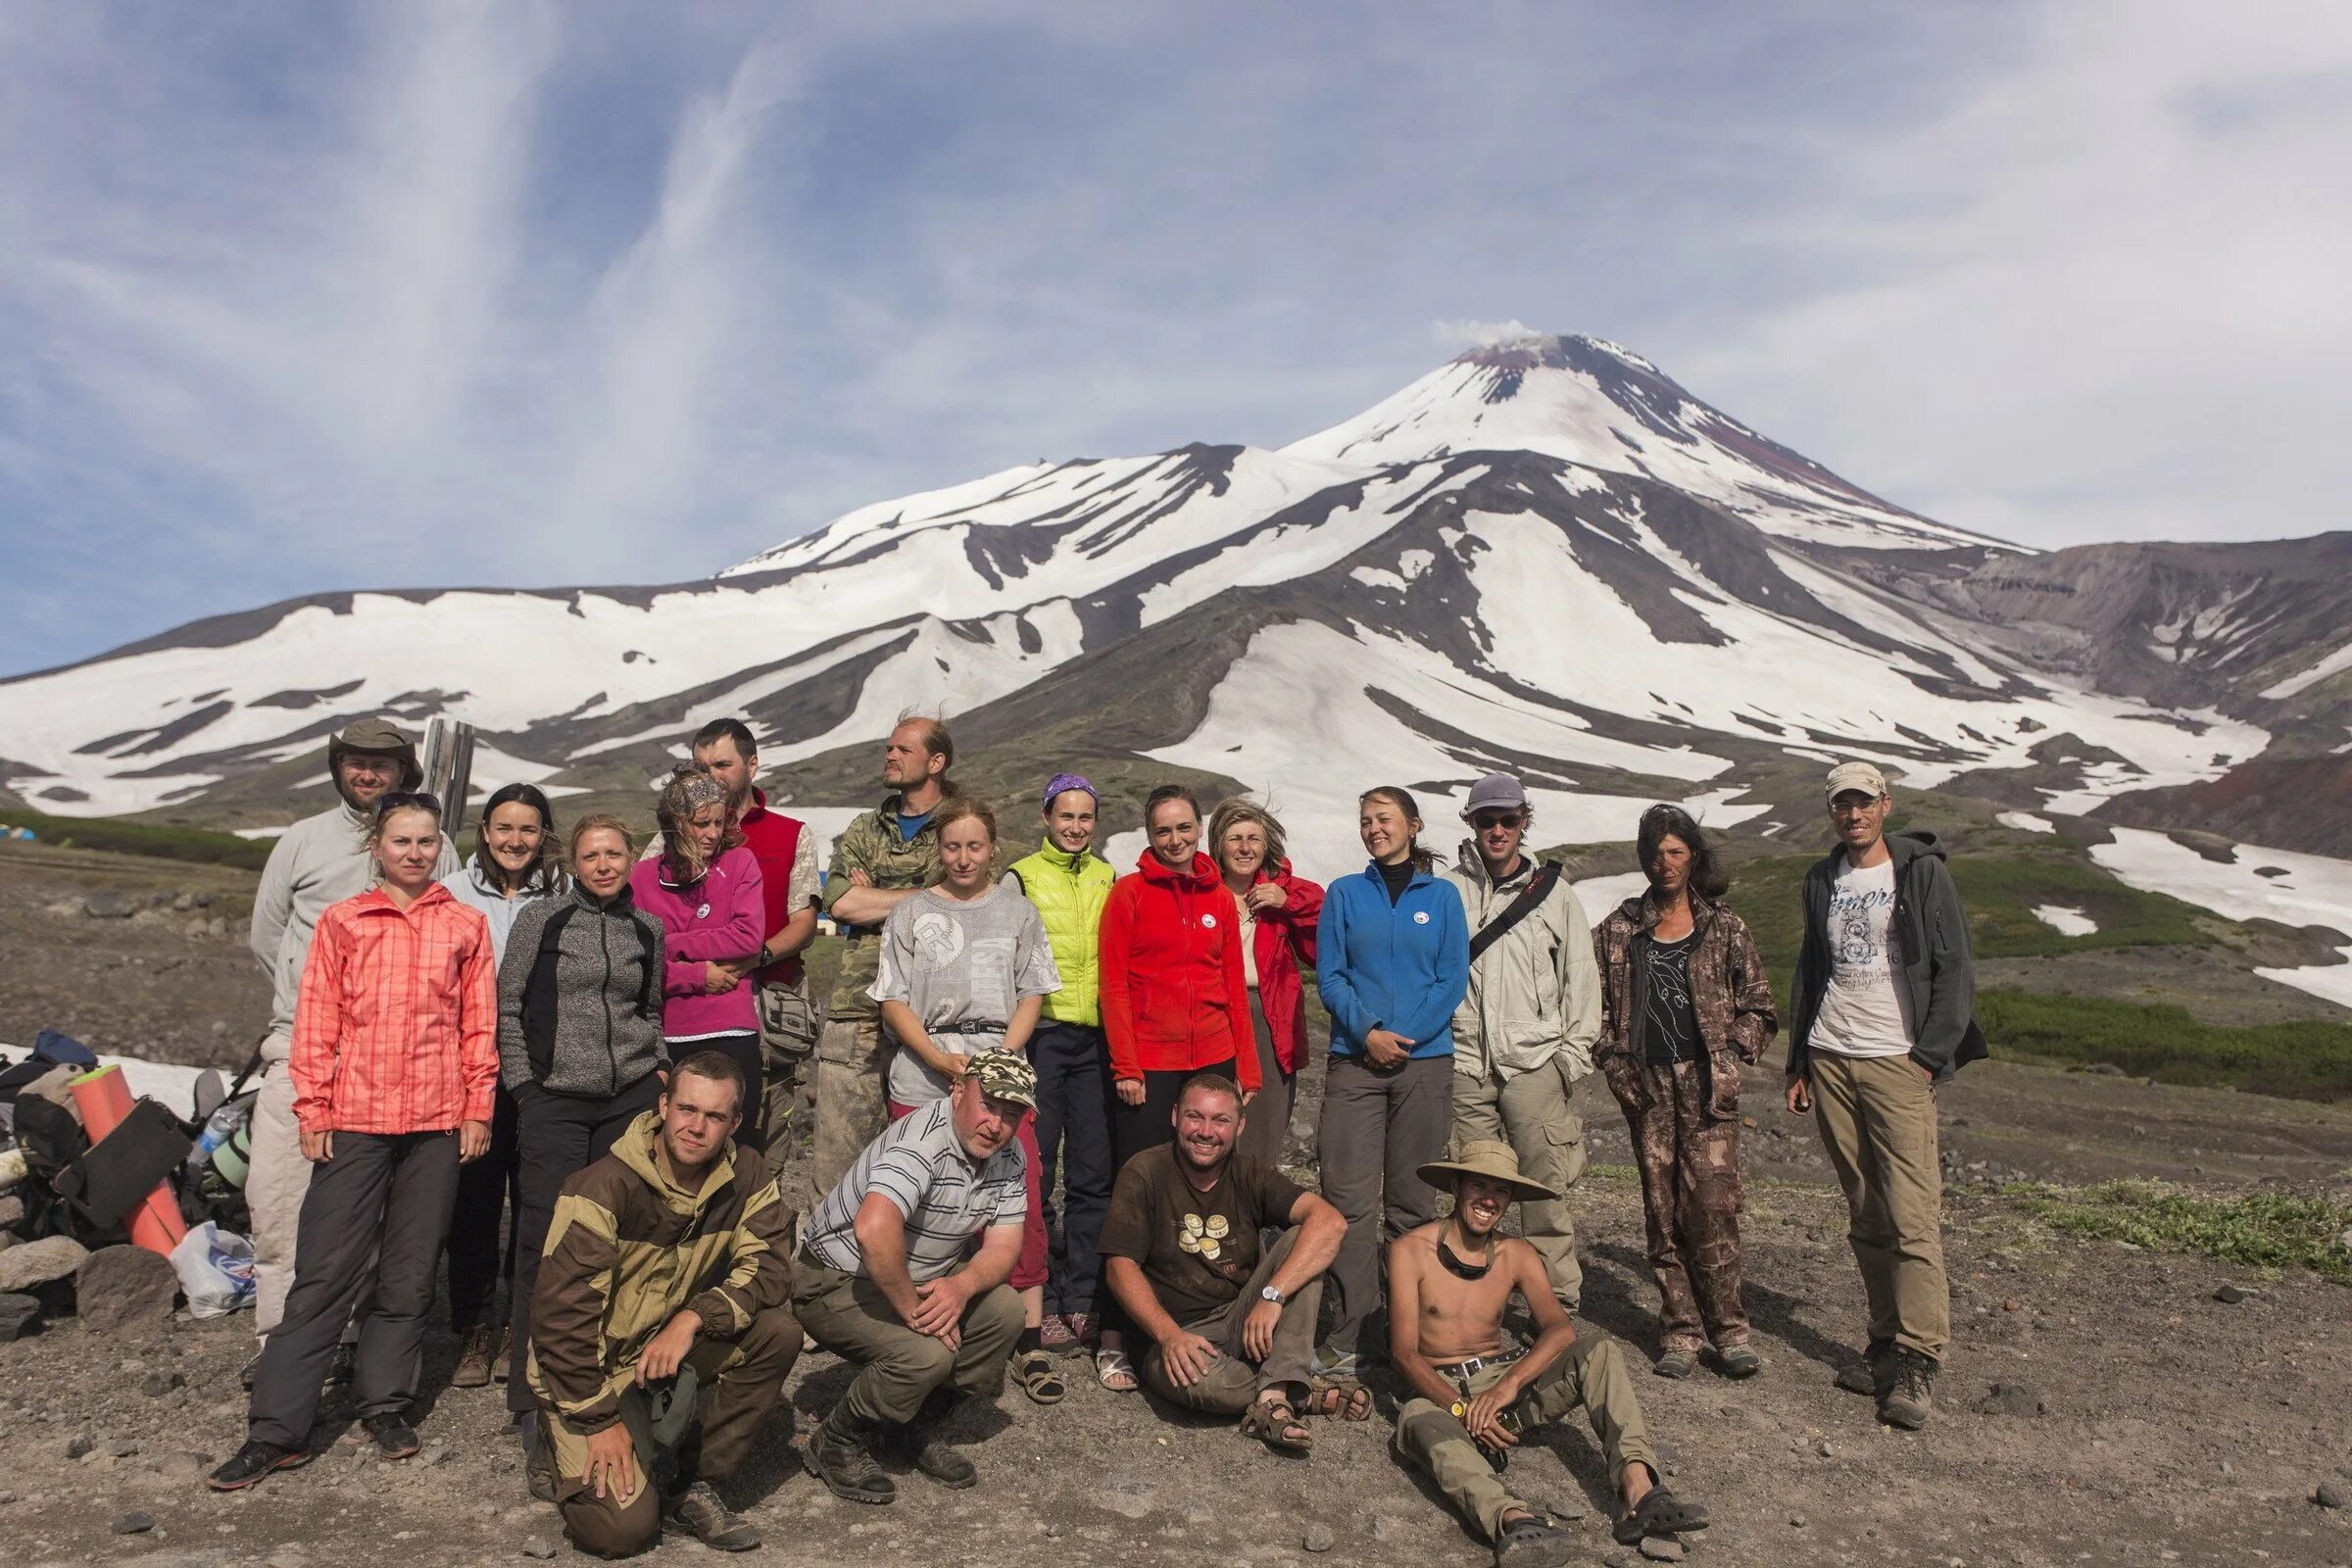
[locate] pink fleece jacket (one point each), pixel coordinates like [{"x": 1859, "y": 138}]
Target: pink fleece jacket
[{"x": 722, "y": 916}]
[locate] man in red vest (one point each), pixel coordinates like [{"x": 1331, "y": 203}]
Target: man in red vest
[{"x": 787, "y": 855}]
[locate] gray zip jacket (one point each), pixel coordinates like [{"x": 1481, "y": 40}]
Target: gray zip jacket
[
  {"x": 320, "y": 860},
  {"x": 586, "y": 1017},
  {"x": 1534, "y": 993}
]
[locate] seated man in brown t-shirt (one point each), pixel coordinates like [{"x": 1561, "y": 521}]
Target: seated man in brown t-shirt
[{"x": 1232, "y": 1323}]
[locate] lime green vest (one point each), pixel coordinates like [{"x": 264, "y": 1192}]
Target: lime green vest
[{"x": 1069, "y": 894}]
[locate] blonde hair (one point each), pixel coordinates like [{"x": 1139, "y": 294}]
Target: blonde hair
[
  {"x": 955, "y": 807},
  {"x": 690, "y": 788},
  {"x": 1236, "y": 811},
  {"x": 599, "y": 822}
]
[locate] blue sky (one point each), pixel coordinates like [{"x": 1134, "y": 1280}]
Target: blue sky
[{"x": 299, "y": 297}]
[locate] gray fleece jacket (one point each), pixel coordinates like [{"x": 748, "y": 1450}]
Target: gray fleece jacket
[
  {"x": 580, "y": 1013},
  {"x": 320, "y": 860}
]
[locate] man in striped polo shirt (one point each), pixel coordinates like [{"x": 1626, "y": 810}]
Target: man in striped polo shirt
[{"x": 904, "y": 1271}]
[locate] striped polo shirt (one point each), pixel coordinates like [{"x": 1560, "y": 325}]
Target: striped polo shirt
[{"x": 921, "y": 1166}]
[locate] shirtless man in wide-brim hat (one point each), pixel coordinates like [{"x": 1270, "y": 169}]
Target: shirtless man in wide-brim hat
[{"x": 1449, "y": 1283}]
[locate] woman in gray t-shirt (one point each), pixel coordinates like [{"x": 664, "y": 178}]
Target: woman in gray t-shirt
[{"x": 965, "y": 967}]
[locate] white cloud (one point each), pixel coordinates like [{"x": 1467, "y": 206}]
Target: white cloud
[{"x": 1480, "y": 334}]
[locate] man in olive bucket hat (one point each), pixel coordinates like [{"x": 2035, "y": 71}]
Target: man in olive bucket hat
[
  {"x": 1449, "y": 1284},
  {"x": 320, "y": 860}
]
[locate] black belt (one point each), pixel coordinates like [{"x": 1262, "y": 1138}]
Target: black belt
[
  {"x": 1464, "y": 1371},
  {"x": 975, "y": 1026}
]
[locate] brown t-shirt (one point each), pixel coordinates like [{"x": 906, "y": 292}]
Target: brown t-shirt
[{"x": 1196, "y": 1248}]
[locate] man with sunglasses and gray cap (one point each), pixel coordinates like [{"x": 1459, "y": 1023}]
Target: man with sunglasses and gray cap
[
  {"x": 1884, "y": 1010},
  {"x": 1524, "y": 1032},
  {"x": 320, "y": 860}
]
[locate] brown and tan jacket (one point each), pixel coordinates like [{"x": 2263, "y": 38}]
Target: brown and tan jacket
[
  {"x": 1730, "y": 992},
  {"x": 628, "y": 1250}
]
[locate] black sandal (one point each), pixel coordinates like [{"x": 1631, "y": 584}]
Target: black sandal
[
  {"x": 1034, "y": 1371},
  {"x": 1533, "y": 1542},
  {"x": 1660, "y": 1513}
]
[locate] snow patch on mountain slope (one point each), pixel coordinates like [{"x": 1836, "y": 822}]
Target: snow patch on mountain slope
[
  {"x": 1296, "y": 713},
  {"x": 2302, "y": 890},
  {"x": 2025, "y": 822},
  {"x": 1775, "y": 676},
  {"x": 2334, "y": 664},
  {"x": 2065, "y": 919}
]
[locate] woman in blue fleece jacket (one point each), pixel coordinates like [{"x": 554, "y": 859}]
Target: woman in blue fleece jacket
[{"x": 1393, "y": 960}]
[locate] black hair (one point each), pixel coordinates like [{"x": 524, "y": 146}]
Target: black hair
[
  {"x": 1661, "y": 822},
  {"x": 1402, "y": 798},
  {"x": 546, "y": 875},
  {"x": 730, "y": 729}
]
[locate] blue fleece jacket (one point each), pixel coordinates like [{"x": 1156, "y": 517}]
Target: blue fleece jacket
[{"x": 1403, "y": 968}]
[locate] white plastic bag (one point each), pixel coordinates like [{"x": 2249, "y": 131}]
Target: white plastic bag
[{"x": 216, "y": 1270}]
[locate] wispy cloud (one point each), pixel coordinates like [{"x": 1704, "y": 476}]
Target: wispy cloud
[{"x": 517, "y": 293}]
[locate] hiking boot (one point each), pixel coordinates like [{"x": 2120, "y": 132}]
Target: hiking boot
[
  {"x": 920, "y": 1444},
  {"x": 480, "y": 1348},
  {"x": 838, "y": 1457},
  {"x": 253, "y": 1461},
  {"x": 698, "y": 1511},
  {"x": 394, "y": 1438},
  {"x": 1677, "y": 1364},
  {"x": 1911, "y": 1394},
  {"x": 1874, "y": 1374},
  {"x": 1739, "y": 1362}
]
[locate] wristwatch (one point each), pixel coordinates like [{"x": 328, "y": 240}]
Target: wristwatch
[{"x": 1270, "y": 1293}]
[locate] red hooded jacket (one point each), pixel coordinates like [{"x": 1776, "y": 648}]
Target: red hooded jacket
[
  {"x": 1174, "y": 996},
  {"x": 1284, "y": 941}
]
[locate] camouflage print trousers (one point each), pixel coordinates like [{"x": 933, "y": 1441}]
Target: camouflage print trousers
[{"x": 1690, "y": 1201}]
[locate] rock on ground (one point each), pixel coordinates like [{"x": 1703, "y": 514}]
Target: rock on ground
[
  {"x": 125, "y": 1289},
  {"x": 37, "y": 1263}
]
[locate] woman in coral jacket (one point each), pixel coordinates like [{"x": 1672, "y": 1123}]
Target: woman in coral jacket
[
  {"x": 1175, "y": 998},
  {"x": 395, "y": 1069},
  {"x": 703, "y": 886},
  {"x": 1279, "y": 911}
]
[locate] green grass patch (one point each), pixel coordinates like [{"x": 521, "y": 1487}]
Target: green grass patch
[
  {"x": 2002, "y": 893},
  {"x": 2302, "y": 1061},
  {"x": 2257, "y": 1230},
  {"x": 152, "y": 840}
]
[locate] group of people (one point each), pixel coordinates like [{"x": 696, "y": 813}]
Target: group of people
[{"x": 1050, "y": 1111}]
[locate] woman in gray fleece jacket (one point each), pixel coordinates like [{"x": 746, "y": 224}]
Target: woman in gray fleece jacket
[{"x": 579, "y": 1042}]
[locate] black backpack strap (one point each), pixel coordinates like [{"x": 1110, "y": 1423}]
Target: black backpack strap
[{"x": 1539, "y": 888}]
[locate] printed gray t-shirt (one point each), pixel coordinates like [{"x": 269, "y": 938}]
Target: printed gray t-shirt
[
  {"x": 956, "y": 961},
  {"x": 1862, "y": 1010}
]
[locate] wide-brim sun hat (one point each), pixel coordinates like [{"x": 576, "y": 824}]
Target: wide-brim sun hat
[{"x": 1491, "y": 1158}]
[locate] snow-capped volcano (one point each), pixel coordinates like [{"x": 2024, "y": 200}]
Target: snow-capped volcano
[{"x": 1544, "y": 555}]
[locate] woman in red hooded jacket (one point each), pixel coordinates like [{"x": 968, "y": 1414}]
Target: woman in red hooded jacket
[{"x": 1278, "y": 919}]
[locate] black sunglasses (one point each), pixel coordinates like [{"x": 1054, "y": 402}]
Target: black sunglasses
[{"x": 406, "y": 801}]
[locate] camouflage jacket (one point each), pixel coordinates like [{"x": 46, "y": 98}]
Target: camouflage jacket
[
  {"x": 1730, "y": 992},
  {"x": 870, "y": 843}
]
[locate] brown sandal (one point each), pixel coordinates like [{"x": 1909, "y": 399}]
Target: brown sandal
[
  {"x": 1343, "y": 1398},
  {"x": 1276, "y": 1425}
]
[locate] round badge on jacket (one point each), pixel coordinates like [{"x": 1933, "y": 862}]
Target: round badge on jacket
[
  {"x": 1420, "y": 918},
  {"x": 1208, "y": 922},
  {"x": 702, "y": 913}
]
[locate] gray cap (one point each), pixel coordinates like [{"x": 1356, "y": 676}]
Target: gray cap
[
  {"x": 1863, "y": 779},
  {"x": 1496, "y": 792}
]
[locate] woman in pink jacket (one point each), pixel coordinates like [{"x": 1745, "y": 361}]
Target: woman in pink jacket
[{"x": 704, "y": 886}]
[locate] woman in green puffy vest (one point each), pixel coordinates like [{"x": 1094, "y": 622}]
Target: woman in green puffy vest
[{"x": 1068, "y": 882}]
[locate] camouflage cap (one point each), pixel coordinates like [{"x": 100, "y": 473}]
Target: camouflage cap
[{"x": 1005, "y": 1075}]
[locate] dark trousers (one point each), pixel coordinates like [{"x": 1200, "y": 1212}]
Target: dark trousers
[
  {"x": 384, "y": 1197},
  {"x": 1380, "y": 1126},
  {"x": 558, "y": 1136},
  {"x": 745, "y": 1050},
  {"x": 1073, "y": 1138},
  {"x": 486, "y": 1190}
]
